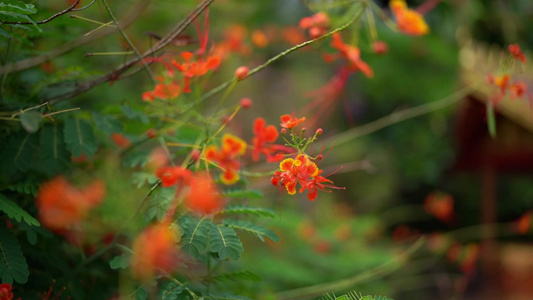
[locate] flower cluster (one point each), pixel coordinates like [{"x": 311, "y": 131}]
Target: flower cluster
[
  {"x": 227, "y": 157},
  {"x": 317, "y": 24}
]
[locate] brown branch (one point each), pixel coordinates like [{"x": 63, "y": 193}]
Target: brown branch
[
  {"x": 66, "y": 10},
  {"x": 115, "y": 74},
  {"x": 31, "y": 62}
]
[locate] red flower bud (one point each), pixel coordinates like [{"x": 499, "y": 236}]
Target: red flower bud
[
  {"x": 195, "y": 155},
  {"x": 319, "y": 131},
  {"x": 246, "y": 103},
  {"x": 283, "y": 131},
  {"x": 380, "y": 47},
  {"x": 241, "y": 72}
]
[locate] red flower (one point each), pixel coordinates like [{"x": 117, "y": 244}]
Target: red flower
[
  {"x": 409, "y": 21},
  {"x": 523, "y": 224},
  {"x": 192, "y": 69},
  {"x": 317, "y": 24},
  {"x": 120, "y": 140},
  {"x": 517, "y": 53},
  {"x": 163, "y": 91},
  {"x": 440, "y": 205},
  {"x": 203, "y": 197},
  {"x": 155, "y": 251},
  {"x": 380, "y": 47},
  {"x": 227, "y": 157},
  {"x": 264, "y": 135},
  {"x": 62, "y": 206},
  {"x": 172, "y": 175},
  {"x": 5, "y": 291},
  {"x": 289, "y": 122},
  {"x": 352, "y": 54}
]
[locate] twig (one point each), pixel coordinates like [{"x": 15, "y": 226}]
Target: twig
[
  {"x": 31, "y": 62},
  {"x": 85, "y": 7},
  {"x": 114, "y": 74},
  {"x": 46, "y": 20},
  {"x": 382, "y": 270}
]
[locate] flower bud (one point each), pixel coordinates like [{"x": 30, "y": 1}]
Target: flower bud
[
  {"x": 241, "y": 72},
  {"x": 283, "y": 131},
  {"x": 246, "y": 103},
  {"x": 319, "y": 131}
]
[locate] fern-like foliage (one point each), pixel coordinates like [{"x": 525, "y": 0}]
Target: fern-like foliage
[
  {"x": 27, "y": 188},
  {"x": 225, "y": 297},
  {"x": 224, "y": 241},
  {"x": 254, "y": 194},
  {"x": 15, "y": 212},
  {"x": 107, "y": 124},
  {"x": 79, "y": 137},
  {"x": 13, "y": 11},
  {"x": 19, "y": 153},
  {"x": 54, "y": 156},
  {"x": 173, "y": 291},
  {"x": 353, "y": 296},
  {"x": 159, "y": 202},
  {"x": 257, "y": 230},
  {"x": 236, "y": 276},
  {"x": 13, "y": 264},
  {"x": 243, "y": 209},
  {"x": 120, "y": 261},
  {"x": 195, "y": 231}
]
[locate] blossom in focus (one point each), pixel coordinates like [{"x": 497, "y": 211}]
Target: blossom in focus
[
  {"x": 517, "y": 53},
  {"x": 264, "y": 135},
  {"x": 408, "y": 21},
  {"x": 203, "y": 197},
  {"x": 352, "y": 54},
  {"x": 197, "y": 68},
  {"x": 155, "y": 251},
  {"x": 440, "y": 205},
  {"x": 62, "y": 206},
  {"x": 303, "y": 171},
  {"x": 227, "y": 157},
  {"x": 289, "y": 122}
]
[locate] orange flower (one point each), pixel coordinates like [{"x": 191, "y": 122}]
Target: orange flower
[
  {"x": 120, "y": 140},
  {"x": 289, "y": 122},
  {"x": 227, "y": 157},
  {"x": 293, "y": 36},
  {"x": 440, "y": 205},
  {"x": 317, "y": 24},
  {"x": 192, "y": 69},
  {"x": 155, "y": 251},
  {"x": 203, "y": 197},
  {"x": 233, "y": 42},
  {"x": 163, "y": 91},
  {"x": 264, "y": 135},
  {"x": 517, "y": 53},
  {"x": 352, "y": 54},
  {"x": 172, "y": 175},
  {"x": 259, "y": 39},
  {"x": 409, "y": 21},
  {"x": 62, "y": 206}
]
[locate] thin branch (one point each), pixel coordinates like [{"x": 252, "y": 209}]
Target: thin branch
[
  {"x": 46, "y": 20},
  {"x": 85, "y": 7},
  {"x": 31, "y": 62},
  {"x": 114, "y": 75}
]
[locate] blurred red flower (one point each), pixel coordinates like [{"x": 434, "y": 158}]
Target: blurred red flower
[
  {"x": 352, "y": 54},
  {"x": 409, "y": 21},
  {"x": 227, "y": 157},
  {"x": 5, "y": 291},
  {"x": 517, "y": 53},
  {"x": 289, "y": 122},
  {"x": 203, "y": 197},
  {"x": 440, "y": 205},
  {"x": 172, "y": 175}
]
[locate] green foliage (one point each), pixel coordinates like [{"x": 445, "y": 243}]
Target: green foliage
[
  {"x": 19, "y": 154},
  {"x": 253, "y": 194},
  {"x": 159, "y": 203},
  {"x": 107, "y": 124},
  {"x": 120, "y": 261},
  {"x": 27, "y": 188},
  {"x": 236, "y": 276},
  {"x": 16, "y": 212},
  {"x": 242, "y": 209},
  {"x": 257, "y": 230},
  {"x": 224, "y": 241},
  {"x": 13, "y": 264},
  {"x": 54, "y": 156},
  {"x": 79, "y": 137},
  {"x": 139, "y": 179},
  {"x": 173, "y": 292},
  {"x": 135, "y": 159},
  {"x": 30, "y": 121},
  {"x": 225, "y": 297},
  {"x": 17, "y": 11},
  {"x": 195, "y": 231},
  {"x": 131, "y": 113},
  {"x": 353, "y": 296}
]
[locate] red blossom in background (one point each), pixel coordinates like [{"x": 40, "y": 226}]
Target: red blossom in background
[
  {"x": 120, "y": 140},
  {"x": 317, "y": 24},
  {"x": 289, "y": 122},
  {"x": 440, "y": 205},
  {"x": 517, "y": 53},
  {"x": 5, "y": 291},
  {"x": 62, "y": 206},
  {"x": 163, "y": 91},
  {"x": 351, "y": 53},
  {"x": 203, "y": 197},
  {"x": 155, "y": 252},
  {"x": 197, "y": 68},
  {"x": 380, "y": 47},
  {"x": 408, "y": 21},
  {"x": 523, "y": 224},
  {"x": 173, "y": 175},
  {"x": 227, "y": 157}
]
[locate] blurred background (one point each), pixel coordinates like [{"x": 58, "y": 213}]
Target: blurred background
[{"x": 434, "y": 207}]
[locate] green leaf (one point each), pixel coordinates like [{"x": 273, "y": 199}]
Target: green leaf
[
  {"x": 107, "y": 124},
  {"x": 19, "y": 154},
  {"x": 4, "y": 33},
  {"x": 135, "y": 159},
  {"x": 224, "y": 241},
  {"x": 259, "y": 231},
  {"x": 17, "y": 7},
  {"x": 242, "y": 209},
  {"x": 172, "y": 291},
  {"x": 134, "y": 114},
  {"x": 225, "y": 297},
  {"x": 54, "y": 156},
  {"x": 139, "y": 179},
  {"x": 194, "y": 239},
  {"x": 28, "y": 188},
  {"x": 236, "y": 276},
  {"x": 253, "y": 194},
  {"x": 13, "y": 264},
  {"x": 491, "y": 120},
  {"x": 30, "y": 121},
  {"x": 79, "y": 137},
  {"x": 15, "y": 212},
  {"x": 159, "y": 203},
  {"x": 120, "y": 261}
]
